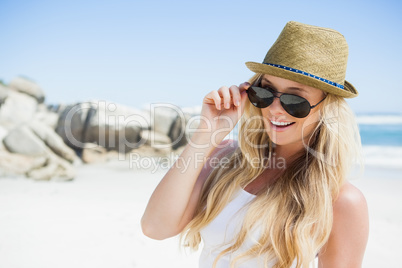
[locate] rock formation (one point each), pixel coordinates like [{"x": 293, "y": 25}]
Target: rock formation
[{"x": 46, "y": 142}]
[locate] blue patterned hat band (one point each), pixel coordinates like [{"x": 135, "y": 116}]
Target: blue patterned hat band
[{"x": 306, "y": 74}]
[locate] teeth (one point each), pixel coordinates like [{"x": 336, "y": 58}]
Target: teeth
[{"x": 281, "y": 123}]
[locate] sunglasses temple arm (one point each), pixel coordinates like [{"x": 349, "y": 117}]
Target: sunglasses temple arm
[{"x": 318, "y": 103}]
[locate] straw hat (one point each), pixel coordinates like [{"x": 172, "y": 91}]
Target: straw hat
[{"x": 310, "y": 55}]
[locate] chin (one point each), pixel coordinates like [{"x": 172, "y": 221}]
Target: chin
[
  {"x": 282, "y": 139},
  {"x": 277, "y": 139}
]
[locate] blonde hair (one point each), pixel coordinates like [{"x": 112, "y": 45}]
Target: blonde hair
[{"x": 295, "y": 212}]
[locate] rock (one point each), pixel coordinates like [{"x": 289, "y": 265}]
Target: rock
[
  {"x": 28, "y": 87},
  {"x": 163, "y": 118},
  {"x": 121, "y": 140},
  {"x": 3, "y": 94},
  {"x": 65, "y": 170},
  {"x": 56, "y": 168},
  {"x": 177, "y": 132},
  {"x": 148, "y": 151},
  {"x": 22, "y": 140},
  {"x": 171, "y": 121},
  {"x": 155, "y": 139},
  {"x": 48, "y": 118},
  {"x": 28, "y": 154},
  {"x": 53, "y": 141},
  {"x": 159, "y": 142},
  {"x": 116, "y": 127},
  {"x": 45, "y": 173},
  {"x": 93, "y": 153},
  {"x": 112, "y": 126},
  {"x": 17, "y": 108},
  {"x": 72, "y": 122},
  {"x": 3, "y": 134},
  {"x": 19, "y": 164}
]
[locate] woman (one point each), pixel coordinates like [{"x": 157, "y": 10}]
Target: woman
[{"x": 280, "y": 197}]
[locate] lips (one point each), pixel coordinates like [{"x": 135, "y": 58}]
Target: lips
[{"x": 280, "y": 126}]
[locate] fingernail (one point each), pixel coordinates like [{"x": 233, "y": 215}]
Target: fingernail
[
  {"x": 237, "y": 103},
  {"x": 218, "y": 106},
  {"x": 227, "y": 105}
]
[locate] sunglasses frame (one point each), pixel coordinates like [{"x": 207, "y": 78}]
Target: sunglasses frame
[{"x": 278, "y": 95}]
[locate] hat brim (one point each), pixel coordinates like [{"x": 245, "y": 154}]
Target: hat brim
[{"x": 349, "y": 90}]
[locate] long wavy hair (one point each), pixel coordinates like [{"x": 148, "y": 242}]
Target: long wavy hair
[{"x": 295, "y": 212}]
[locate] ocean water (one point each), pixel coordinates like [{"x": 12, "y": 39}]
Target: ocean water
[
  {"x": 381, "y": 136},
  {"x": 385, "y": 130}
]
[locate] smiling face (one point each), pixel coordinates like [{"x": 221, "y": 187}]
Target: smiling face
[{"x": 282, "y": 128}]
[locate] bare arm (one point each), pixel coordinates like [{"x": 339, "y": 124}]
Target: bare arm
[
  {"x": 173, "y": 202},
  {"x": 348, "y": 239},
  {"x": 226, "y": 147}
]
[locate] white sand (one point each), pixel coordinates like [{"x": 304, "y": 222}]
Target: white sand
[{"x": 94, "y": 221}]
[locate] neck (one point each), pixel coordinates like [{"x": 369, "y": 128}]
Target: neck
[{"x": 288, "y": 152}]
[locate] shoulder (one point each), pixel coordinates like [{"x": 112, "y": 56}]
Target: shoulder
[
  {"x": 350, "y": 213},
  {"x": 349, "y": 234},
  {"x": 349, "y": 201}
]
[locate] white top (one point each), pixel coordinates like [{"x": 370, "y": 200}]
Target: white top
[{"x": 223, "y": 229}]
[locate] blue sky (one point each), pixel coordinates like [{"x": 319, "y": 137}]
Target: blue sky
[{"x": 139, "y": 52}]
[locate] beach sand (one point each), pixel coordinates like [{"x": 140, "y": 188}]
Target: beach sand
[{"x": 94, "y": 221}]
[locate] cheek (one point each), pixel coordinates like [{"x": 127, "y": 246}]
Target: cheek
[
  {"x": 308, "y": 124},
  {"x": 265, "y": 118}
]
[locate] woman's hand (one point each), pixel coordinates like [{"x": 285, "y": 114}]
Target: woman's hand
[{"x": 222, "y": 109}]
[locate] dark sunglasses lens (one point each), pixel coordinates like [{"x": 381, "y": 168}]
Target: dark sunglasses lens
[
  {"x": 260, "y": 97},
  {"x": 296, "y": 106}
]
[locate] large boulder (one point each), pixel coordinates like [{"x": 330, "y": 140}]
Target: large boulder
[
  {"x": 115, "y": 127},
  {"x": 21, "y": 140},
  {"x": 3, "y": 134},
  {"x": 156, "y": 139},
  {"x": 56, "y": 168},
  {"x": 3, "y": 94},
  {"x": 46, "y": 116},
  {"x": 72, "y": 123},
  {"x": 93, "y": 153},
  {"x": 169, "y": 120},
  {"x": 52, "y": 140},
  {"x": 18, "y": 164},
  {"x": 28, "y": 87},
  {"x": 17, "y": 108},
  {"x": 28, "y": 154},
  {"x": 122, "y": 139},
  {"x": 157, "y": 142}
]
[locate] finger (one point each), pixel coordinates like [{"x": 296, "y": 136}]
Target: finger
[
  {"x": 225, "y": 93},
  {"x": 244, "y": 97},
  {"x": 217, "y": 99},
  {"x": 235, "y": 91},
  {"x": 244, "y": 86},
  {"x": 243, "y": 100}
]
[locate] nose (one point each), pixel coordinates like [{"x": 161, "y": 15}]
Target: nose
[{"x": 276, "y": 108}]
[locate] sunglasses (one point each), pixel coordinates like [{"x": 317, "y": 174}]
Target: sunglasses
[{"x": 294, "y": 105}]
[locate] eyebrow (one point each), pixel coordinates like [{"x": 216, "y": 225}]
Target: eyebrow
[{"x": 291, "y": 88}]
